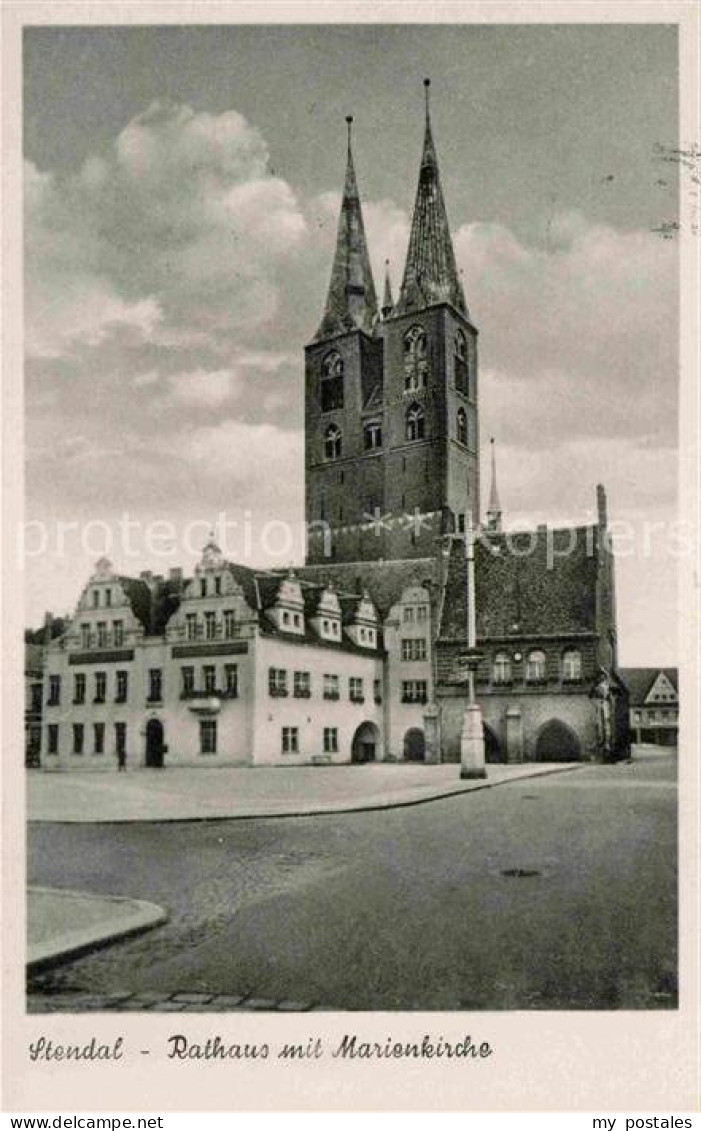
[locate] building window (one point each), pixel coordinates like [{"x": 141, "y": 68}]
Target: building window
[
  {"x": 122, "y": 687},
  {"x": 277, "y": 682},
  {"x": 101, "y": 634},
  {"x": 290, "y": 740},
  {"x": 372, "y": 436},
  {"x": 377, "y": 690},
  {"x": 355, "y": 689},
  {"x": 330, "y": 740},
  {"x": 414, "y": 649},
  {"x": 79, "y": 688},
  {"x": 100, "y": 687},
  {"x": 95, "y": 598},
  {"x": 78, "y": 738},
  {"x": 572, "y": 666},
  {"x": 54, "y": 699},
  {"x": 333, "y": 442},
  {"x": 191, "y": 626},
  {"x": 422, "y": 613},
  {"x": 229, "y": 623},
  {"x": 85, "y": 635},
  {"x": 331, "y": 687},
  {"x": 414, "y": 691},
  {"x": 209, "y": 673},
  {"x": 120, "y": 738},
  {"x": 208, "y": 736},
  {"x": 99, "y": 734},
  {"x": 231, "y": 680},
  {"x": 285, "y": 618},
  {"x": 118, "y": 633},
  {"x": 297, "y": 620},
  {"x": 203, "y": 587},
  {"x": 52, "y": 738},
  {"x": 217, "y": 586},
  {"x": 415, "y": 360},
  {"x": 535, "y": 667},
  {"x": 187, "y": 676},
  {"x": 415, "y": 423},
  {"x": 408, "y": 614},
  {"x": 462, "y": 427},
  {"x": 302, "y": 685},
  {"x": 37, "y": 697},
  {"x": 501, "y": 672},
  {"x": 210, "y": 626},
  {"x": 331, "y": 383},
  {"x": 462, "y": 370},
  {"x": 155, "y": 685},
  {"x": 108, "y": 597}
]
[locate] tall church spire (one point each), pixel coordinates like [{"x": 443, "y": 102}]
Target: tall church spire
[
  {"x": 351, "y": 303},
  {"x": 494, "y": 507},
  {"x": 430, "y": 274},
  {"x": 387, "y": 301}
]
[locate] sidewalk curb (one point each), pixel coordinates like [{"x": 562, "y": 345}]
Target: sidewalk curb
[
  {"x": 331, "y": 808},
  {"x": 131, "y": 917}
]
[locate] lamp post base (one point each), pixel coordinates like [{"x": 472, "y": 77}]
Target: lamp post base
[{"x": 472, "y": 744}]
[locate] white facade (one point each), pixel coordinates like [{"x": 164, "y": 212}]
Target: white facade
[{"x": 247, "y": 669}]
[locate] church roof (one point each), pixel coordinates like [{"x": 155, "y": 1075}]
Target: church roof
[
  {"x": 527, "y": 584},
  {"x": 430, "y": 274},
  {"x": 384, "y": 581},
  {"x": 351, "y": 303}
]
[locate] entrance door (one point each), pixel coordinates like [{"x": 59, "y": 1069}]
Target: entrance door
[
  {"x": 154, "y": 743},
  {"x": 414, "y": 745},
  {"x": 365, "y": 742}
]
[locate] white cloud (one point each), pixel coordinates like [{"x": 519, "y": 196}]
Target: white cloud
[{"x": 202, "y": 389}]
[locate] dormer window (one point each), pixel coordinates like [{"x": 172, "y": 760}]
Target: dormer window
[
  {"x": 372, "y": 436},
  {"x": 331, "y": 383},
  {"x": 333, "y": 442},
  {"x": 203, "y": 587},
  {"x": 415, "y": 359},
  {"x": 96, "y": 598}
]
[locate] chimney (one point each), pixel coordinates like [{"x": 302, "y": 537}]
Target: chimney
[
  {"x": 601, "y": 506},
  {"x": 175, "y": 574}
]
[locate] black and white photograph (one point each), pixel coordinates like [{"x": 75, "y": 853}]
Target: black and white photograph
[{"x": 352, "y": 538}]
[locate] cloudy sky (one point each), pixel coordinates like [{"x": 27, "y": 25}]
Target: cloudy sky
[{"x": 182, "y": 187}]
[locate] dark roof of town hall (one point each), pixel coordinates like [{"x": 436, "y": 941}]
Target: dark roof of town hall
[
  {"x": 384, "y": 581},
  {"x": 528, "y": 583}
]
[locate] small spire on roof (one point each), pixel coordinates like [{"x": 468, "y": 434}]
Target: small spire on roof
[
  {"x": 387, "y": 301},
  {"x": 494, "y": 507}
]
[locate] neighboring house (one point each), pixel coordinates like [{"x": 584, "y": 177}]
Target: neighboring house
[
  {"x": 654, "y": 704},
  {"x": 33, "y": 701}
]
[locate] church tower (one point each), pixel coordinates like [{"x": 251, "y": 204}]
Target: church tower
[{"x": 391, "y": 417}]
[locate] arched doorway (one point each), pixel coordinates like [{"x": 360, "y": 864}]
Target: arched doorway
[
  {"x": 414, "y": 745},
  {"x": 492, "y": 746},
  {"x": 155, "y": 748},
  {"x": 365, "y": 743},
  {"x": 557, "y": 743}
]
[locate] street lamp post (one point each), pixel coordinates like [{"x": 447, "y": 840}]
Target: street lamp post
[{"x": 472, "y": 736}]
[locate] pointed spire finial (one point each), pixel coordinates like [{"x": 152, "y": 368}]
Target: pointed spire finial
[
  {"x": 349, "y": 126},
  {"x": 427, "y": 88}
]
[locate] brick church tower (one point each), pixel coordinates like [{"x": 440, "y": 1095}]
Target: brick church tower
[{"x": 391, "y": 416}]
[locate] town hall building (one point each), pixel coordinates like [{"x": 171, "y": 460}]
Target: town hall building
[{"x": 357, "y": 655}]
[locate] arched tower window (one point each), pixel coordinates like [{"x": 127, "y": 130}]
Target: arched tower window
[
  {"x": 415, "y": 359},
  {"x": 415, "y": 423},
  {"x": 333, "y": 442},
  {"x": 462, "y": 427},
  {"x": 535, "y": 667},
  {"x": 331, "y": 382},
  {"x": 462, "y": 364},
  {"x": 572, "y": 666}
]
